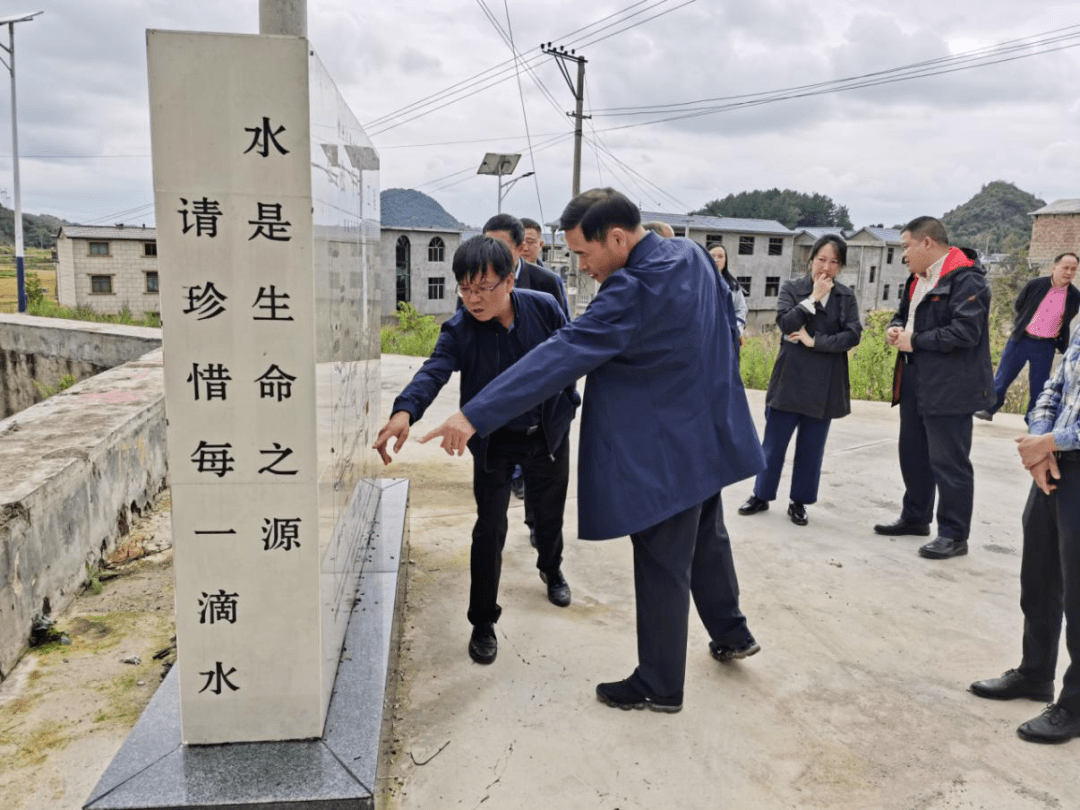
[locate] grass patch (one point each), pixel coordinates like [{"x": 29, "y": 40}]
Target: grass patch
[
  {"x": 49, "y": 736},
  {"x": 50, "y": 309}
]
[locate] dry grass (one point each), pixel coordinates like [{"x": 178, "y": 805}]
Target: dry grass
[{"x": 36, "y": 261}]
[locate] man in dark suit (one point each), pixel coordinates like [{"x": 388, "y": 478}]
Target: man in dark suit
[
  {"x": 665, "y": 426},
  {"x": 527, "y": 276},
  {"x": 942, "y": 376},
  {"x": 1044, "y": 310},
  {"x": 533, "y": 245},
  {"x": 509, "y": 230}
]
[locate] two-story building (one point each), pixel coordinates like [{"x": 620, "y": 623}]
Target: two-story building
[
  {"x": 108, "y": 269},
  {"x": 418, "y": 242}
]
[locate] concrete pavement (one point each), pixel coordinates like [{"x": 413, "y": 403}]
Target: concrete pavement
[{"x": 857, "y": 700}]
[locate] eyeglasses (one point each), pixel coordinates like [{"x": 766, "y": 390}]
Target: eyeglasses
[{"x": 479, "y": 289}]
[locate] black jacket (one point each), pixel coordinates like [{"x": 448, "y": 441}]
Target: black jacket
[
  {"x": 1027, "y": 304},
  {"x": 465, "y": 346},
  {"x": 951, "y": 343},
  {"x": 535, "y": 277},
  {"x": 814, "y": 381}
]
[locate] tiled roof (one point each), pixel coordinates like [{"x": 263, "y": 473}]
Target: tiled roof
[
  {"x": 886, "y": 234},
  {"x": 700, "y": 222},
  {"x": 140, "y": 234},
  {"x": 1060, "y": 207},
  {"x": 411, "y": 209}
]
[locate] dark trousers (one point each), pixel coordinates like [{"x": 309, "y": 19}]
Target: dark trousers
[
  {"x": 689, "y": 553},
  {"x": 1050, "y": 581},
  {"x": 546, "y": 479},
  {"x": 809, "y": 451},
  {"x": 935, "y": 453},
  {"x": 1038, "y": 354}
]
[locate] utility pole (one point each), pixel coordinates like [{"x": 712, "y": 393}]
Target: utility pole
[{"x": 562, "y": 56}]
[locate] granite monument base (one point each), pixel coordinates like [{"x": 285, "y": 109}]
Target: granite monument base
[{"x": 154, "y": 770}]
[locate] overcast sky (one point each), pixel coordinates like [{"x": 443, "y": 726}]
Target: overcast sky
[{"x": 889, "y": 152}]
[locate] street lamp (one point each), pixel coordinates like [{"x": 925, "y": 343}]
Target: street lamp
[
  {"x": 20, "y": 272},
  {"x": 501, "y": 165}
]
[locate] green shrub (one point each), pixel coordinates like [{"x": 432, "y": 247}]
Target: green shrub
[
  {"x": 871, "y": 363},
  {"x": 44, "y": 308},
  {"x": 414, "y": 335},
  {"x": 756, "y": 360},
  {"x": 35, "y": 290}
]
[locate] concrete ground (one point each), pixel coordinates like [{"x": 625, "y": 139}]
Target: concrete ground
[{"x": 857, "y": 700}]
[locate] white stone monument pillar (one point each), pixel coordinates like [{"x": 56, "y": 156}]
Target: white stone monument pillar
[{"x": 260, "y": 421}]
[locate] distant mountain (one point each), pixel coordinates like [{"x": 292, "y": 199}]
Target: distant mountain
[
  {"x": 409, "y": 208},
  {"x": 38, "y": 230},
  {"x": 995, "y": 220}
]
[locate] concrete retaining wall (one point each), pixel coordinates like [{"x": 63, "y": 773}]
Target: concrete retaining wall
[
  {"x": 72, "y": 470},
  {"x": 46, "y": 349}
]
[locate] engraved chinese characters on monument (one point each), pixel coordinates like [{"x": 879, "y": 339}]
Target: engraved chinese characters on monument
[{"x": 265, "y": 397}]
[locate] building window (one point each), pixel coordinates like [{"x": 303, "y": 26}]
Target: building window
[
  {"x": 746, "y": 246},
  {"x": 889, "y": 255},
  {"x": 99, "y": 249},
  {"x": 436, "y": 252},
  {"x": 403, "y": 269},
  {"x": 772, "y": 286},
  {"x": 713, "y": 239},
  {"x": 744, "y": 282},
  {"x": 873, "y": 273},
  {"x": 776, "y": 246},
  {"x": 101, "y": 285},
  {"x": 149, "y": 249},
  {"x": 436, "y": 286},
  {"x": 151, "y": 282},
  {"x": 885, "y": 293}
]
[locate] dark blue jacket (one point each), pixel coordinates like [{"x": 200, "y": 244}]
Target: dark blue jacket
[
  {"x": 462, "y": 347},
  {"x": 665, "y": 423}
]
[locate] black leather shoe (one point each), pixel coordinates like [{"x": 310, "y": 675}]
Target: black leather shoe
[
  {"x": 900, "y": 527},
  {"x": 517, "y": 486},
  {"x": 557, "y": 587},
  {"x": 483, "y": 646},
  {"x": 941, "y": 548},
  {"x": 1054, "y": 725},
  {"x": 753, "y": 505},
  {"x": 1014, "y": 684},
  {"x": 724, "y": 652},
  {"x": 624, "y": 695},
  {"x": 797, "y": 512}
]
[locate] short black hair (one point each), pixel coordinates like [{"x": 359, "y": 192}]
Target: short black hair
[
  {"x": 597, "y": 210},
  {"x": 474, "y": 256},
  {"x": 1061, "y": 256},
  {"x": 838, "y": 244},
  {"x": 531, "y": 224},
  {"x": 927, "y": 226},
  {"x": 504, "y": 222}
]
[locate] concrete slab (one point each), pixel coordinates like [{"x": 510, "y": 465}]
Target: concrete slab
[{"x": 857, "y": 700}]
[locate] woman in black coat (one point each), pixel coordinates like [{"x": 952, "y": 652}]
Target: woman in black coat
[{"x": 819, "y": 322}]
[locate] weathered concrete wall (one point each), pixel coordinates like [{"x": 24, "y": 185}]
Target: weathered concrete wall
[
  {"x": 72, "y": 470},
  {"x": 46, "y": 349}
]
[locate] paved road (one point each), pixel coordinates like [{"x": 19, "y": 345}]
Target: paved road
[{"x": 858, "y": 699}]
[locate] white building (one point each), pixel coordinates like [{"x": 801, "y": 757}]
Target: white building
[{"x": 108, "y": 269}]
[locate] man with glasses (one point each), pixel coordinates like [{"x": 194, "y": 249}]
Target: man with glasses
[
  {"x": 527, "y": 276},
  {"x": 534, "y": 242},
  {"x": 665, "y": 426},
  {"x": 493, "y": 329}
]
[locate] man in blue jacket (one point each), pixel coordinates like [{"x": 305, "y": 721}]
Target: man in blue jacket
[
  {"x": 665, "y": 426},
  {"x": 492, "y": 331}
]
